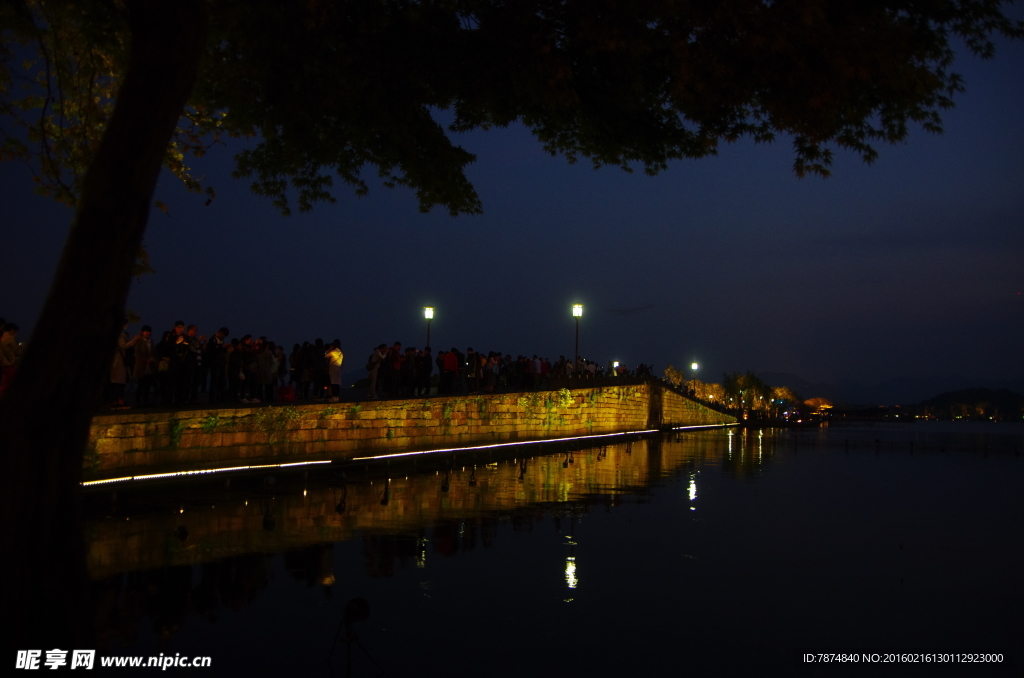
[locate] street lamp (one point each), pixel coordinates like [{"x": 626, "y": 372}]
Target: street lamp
[
  {"x": 577, "y": 312},
  {"x": 428, "y": 313}
]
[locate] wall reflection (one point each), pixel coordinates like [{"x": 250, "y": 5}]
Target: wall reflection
[
  {"x": 161, "y": 554},
  {"x": 453, "y": 504}
]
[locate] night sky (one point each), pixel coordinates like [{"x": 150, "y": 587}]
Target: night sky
[{"x": 911, "y": 267}]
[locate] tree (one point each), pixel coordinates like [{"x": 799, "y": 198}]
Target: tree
[
  {"x": 332, "y": 88},
  {"x": 783, "y": 397},
  {"x": 747, "y": 391}
]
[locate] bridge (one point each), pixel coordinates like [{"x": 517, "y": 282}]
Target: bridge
[{"x": 130, "y": 445}]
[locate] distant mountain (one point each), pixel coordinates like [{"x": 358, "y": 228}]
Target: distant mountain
[
  {"x": 974, "y": 395},
  {"x": 896, "y": 391}
]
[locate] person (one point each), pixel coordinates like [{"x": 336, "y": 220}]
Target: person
[
  {"x": 450, "y": 370},
  {"x": 294, "y": 362},
  {"x": 475, "y": 363},
  {"x": 374, "y": 366},
  {"x": 460, "y": 371},
  {"x": 305, "y": 369},
  {"x": 249, "y": 374},
  {"x": 282, "y": 367},
  {"x": 491, "y": 372},
  {"x": 407, "y": 375},
  {"x": 471, "y": 370},
  {"x": 264, "y": 372},
  {"x": 439, "y": 361},
  {"x": 233, "y": 360},
  {"x": 392, "y": 369},
  {"x": 194, "y": 365},
  {"x": 10, "y": 353},
  {"x": 423, "y": 371},
  {"x": 164, "y": 351},
  {"x": 334, "y": 359},
  {"x": 145, "y": 366},
  {"x": 216, "y": 361},
  {"x": 320, "y": 378},
  {"x": 176, "y": 368},
  {"x": 118, "y": 369}
]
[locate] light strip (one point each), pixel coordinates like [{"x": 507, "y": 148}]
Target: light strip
[
  {"x": 485, "y": 447},
  {"x": 174, "y": 474},
  {"x": 152, "y": 476},
  {"x": 533, "y": 442}
]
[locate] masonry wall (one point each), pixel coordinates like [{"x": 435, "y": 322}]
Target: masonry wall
[{"x": 135, "y": 442}]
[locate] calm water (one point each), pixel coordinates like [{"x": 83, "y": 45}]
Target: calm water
[{"x": 724, "y": 552}]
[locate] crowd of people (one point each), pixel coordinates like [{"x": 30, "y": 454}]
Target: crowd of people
[
  {"x": 183, "y": 364},
  {"x": 183, "y": 368},
  {"x": 397, "y": 373}
]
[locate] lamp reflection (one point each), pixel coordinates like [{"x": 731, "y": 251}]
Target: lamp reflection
[
  {"x": 570, "y": 572},
  {"x": 571, "y": 580}
]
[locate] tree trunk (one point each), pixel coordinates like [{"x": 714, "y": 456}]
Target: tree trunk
[{"x": 45, "y": 416}]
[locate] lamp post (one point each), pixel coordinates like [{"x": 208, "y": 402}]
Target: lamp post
[
  {"x": 428, "y": 313},
  {"x": 577, "y": 312}
]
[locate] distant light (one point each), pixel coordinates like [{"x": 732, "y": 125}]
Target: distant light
[
  {"x": 694, "y": 366},
  {"x": 615, "y": 365},
  {"x": 577, "y": 310},
  {"x": 428, "y": 312}
]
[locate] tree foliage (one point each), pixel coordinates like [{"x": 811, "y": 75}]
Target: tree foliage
[
  {"x": 61, "y": 64},
  {"x": 333, "y": 89},
  {"x": 712, "y": 393},
  {"x": 746, "y": 390}
]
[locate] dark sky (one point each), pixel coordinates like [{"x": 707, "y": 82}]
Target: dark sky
[{"x": 913, "y": 266}]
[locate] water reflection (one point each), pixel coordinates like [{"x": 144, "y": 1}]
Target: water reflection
[
  {"x": 163, "y": 554},
  {"x": 458, "y": 501},
  {"x": 167, "y": 596}
]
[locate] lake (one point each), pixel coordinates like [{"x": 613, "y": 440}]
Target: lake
[{"x": 718, "y": 552}]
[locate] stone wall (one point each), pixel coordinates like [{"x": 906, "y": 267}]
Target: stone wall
[{"x": 123, "y": 444}]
